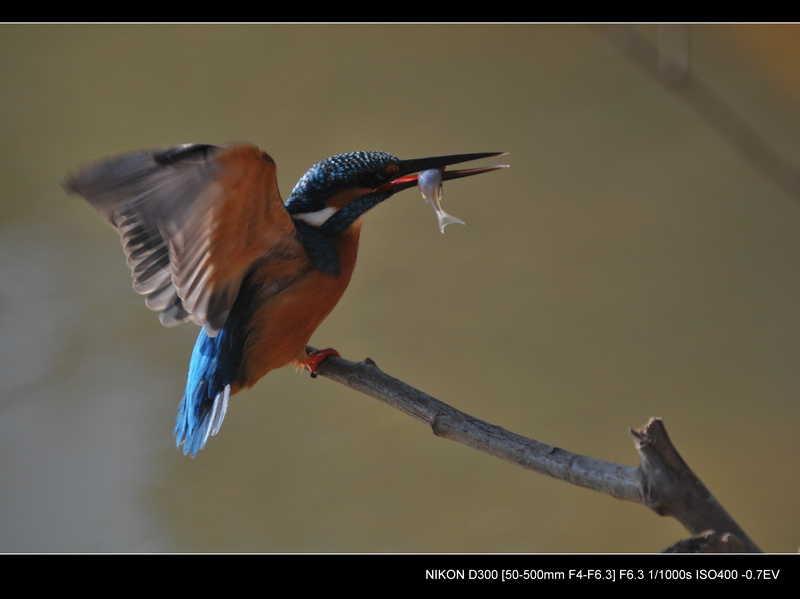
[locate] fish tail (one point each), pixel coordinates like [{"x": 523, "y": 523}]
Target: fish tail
[{"x": 446, "y": 219}]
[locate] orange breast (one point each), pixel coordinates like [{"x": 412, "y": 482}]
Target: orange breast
[{"x": 282, "y": 325}]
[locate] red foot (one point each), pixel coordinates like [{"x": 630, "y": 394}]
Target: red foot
[{"x": 313, "y": 359}]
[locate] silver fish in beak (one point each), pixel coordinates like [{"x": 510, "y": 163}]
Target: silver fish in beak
[{"x": 430, "y": 185}]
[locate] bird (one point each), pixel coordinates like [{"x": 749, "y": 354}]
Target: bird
[{"x": 209, "y": 240}]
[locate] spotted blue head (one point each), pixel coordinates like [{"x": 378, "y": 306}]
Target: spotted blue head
[{"x": 336, "y": 192}]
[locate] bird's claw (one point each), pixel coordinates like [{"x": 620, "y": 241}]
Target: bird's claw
[{"x": 313, "y": 360}]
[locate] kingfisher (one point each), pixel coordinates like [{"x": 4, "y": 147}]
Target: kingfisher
[{"x": 209, "y": 240}]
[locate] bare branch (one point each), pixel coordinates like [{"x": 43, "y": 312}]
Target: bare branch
[
  {"x": 709, "y": 542},
  {"x": 663, "y": 482},
  {"x": 670, "y": 488},
  {"x": 669, "y": 64}
]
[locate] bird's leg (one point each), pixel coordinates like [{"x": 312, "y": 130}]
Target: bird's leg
[{"x": 314, "y": 358}]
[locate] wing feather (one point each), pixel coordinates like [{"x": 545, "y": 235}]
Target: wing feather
[{"x": 193, "y": 221}]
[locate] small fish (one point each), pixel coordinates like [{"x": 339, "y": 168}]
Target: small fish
[{"x": 430, "y": 184}]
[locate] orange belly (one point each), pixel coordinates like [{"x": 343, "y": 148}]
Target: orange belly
[{"x": 282, "y": 325}]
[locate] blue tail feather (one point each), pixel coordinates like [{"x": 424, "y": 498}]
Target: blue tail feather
[{"x": 208, "y": 389}]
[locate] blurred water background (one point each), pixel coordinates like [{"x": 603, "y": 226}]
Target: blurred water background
[{"x": 629, "y": 264}]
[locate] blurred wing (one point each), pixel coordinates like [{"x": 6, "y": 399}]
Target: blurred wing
[{"x": 193, "y": 220}]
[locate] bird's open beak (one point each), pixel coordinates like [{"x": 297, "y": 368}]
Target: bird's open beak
[{"x": 409, "y": 170}]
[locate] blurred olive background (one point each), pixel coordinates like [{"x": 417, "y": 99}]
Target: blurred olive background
[{"x": 629, "y": 264}]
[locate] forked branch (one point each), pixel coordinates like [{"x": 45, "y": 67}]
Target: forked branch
[{"x": 662, "y": 482}]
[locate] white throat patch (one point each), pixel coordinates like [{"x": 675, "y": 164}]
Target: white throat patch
[{"x": 318, "y": 218}]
